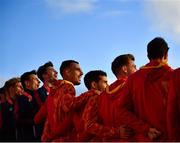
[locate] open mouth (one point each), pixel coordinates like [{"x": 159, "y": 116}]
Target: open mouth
[
  {"x": 80, "y": 78},
  {"x": 56, "y": 76},
  {"x": 38, "y": 85}
]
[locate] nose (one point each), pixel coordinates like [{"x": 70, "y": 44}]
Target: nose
[
  {"x": 38, "y": 81},
  {"x": 81, "y": 72},
  {"x": 135, "y": 68},
  {"x": 106, "y": 83},
  {"x": 55, "y": 71}
]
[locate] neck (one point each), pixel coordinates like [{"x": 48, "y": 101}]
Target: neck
[
  {"x": 163, "y": 60},
  {"x": 157, "y": 60},
  {"x": 121, "y": 76},
  {"x": 48, "y": 84}
]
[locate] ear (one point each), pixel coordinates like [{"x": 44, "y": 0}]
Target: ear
[
  {"x": 124, "y": 68},
  {"x": 27, "y": 84},
  {"x": 165, "y": 58},
  {"x": 44, "y": 76},
  {"x": 93, "y": 85},
  {"x": 67, "y": 72}
]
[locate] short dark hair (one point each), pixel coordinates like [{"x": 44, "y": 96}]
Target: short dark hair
[
  {"x": 25, "y": 76},
  {"x": 43, "y": 69},
  {"x": 93, "y": 76},
  {"x": 2, "y": 93},
  {"x": 66, "y": 64},
  {"x": 2, "y": 90},
  {"x": 120, "y": 61},
  {"x": 157, "y": 48}
]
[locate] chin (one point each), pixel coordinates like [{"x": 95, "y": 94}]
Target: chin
[
  {"x": 36, "y": 88},
  {"x": 77, "y": 83}
]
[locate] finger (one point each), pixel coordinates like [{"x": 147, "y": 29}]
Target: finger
[
  {"x": 156, "y": 131},
  {"x": 155, "y": 135},
  {"x": 150, "y": 136}
]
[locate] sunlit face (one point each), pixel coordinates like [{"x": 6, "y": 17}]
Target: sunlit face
[
  {"x": 75, "y": 73},
  {"x": 19, "y": 89},
  {"x": 102, "y": 83},
  {"x": 51, "y": 74},
  {"x": 33, "y": 82},
  {"x": 131, "y": 67}
]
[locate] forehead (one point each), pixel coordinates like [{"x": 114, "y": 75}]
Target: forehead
[
  {"x": 32, "y": 76},
  {"x": 102, "y": 78},
  {"x": 131, "y": 62},
  {"x": 18, "y": 83},
  {"x": 50, "y": 68},
  {"x": 74, "y": 66}
]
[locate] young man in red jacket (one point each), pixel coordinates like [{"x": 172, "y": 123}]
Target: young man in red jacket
[
  {"x": 59, "y": 106},
  {"x": 96, "y": 82},
  {"x": 47, "y": 74},
  {"x": 99, "y": 114},
  {"x": 143, "y": 104}
]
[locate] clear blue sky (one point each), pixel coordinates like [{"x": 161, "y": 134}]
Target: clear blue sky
[{"x": 92, "y": 32}]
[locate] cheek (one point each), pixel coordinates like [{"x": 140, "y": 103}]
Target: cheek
[
  {"x": 134, "y": 70},
  {"x": 37, "y": 82},
  {"x": 75, "y": 75},
  {"x": 104, "y": 85},
  {"x": 80, "y": 75},
  {"x": 33, "y": 85},
  {"x": 16, "y": 91},
  {"x": 52, "y": 74},
  {"x": 19, "y": 91},
  {"x": 130, "y": 70}
]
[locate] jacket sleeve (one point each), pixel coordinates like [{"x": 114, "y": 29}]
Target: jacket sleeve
[
  {"x": 92, "y": 124},
  {"x": 126, "y": 111},
  {"x": 82, "y": 99},
  {"x": 41, "y": 114}
]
